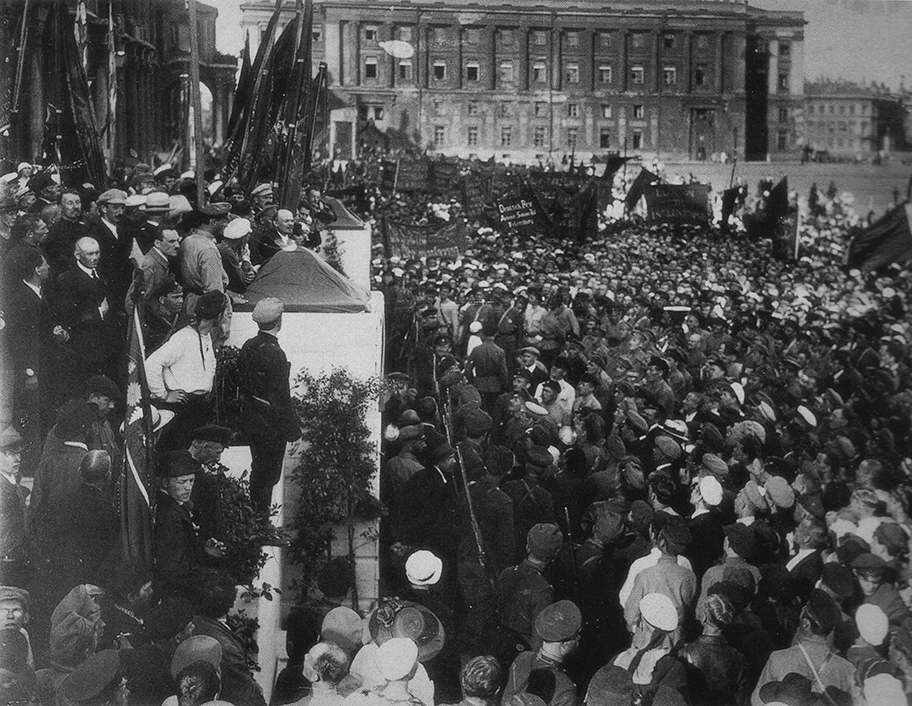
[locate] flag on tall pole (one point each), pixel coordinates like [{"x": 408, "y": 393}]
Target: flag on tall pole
[
  {"x": 241, "y": 95},
  {"x": 136, "y": 489}
]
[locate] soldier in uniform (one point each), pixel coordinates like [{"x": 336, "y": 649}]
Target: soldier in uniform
[{"x": 268, "y": 420}]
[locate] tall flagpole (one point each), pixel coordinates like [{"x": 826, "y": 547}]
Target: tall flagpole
[
  {"x": 196, "y": 104},
  {"x": 20, "y": 60},
  {"x": 112, "y": 90}
]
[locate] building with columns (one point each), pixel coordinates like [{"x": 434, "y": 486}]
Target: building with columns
[
  {"x": 152, "y": 45},
  {"x": 528, "y": 81}
]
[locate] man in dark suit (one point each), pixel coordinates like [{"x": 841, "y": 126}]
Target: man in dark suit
[
  {"x": 806, "y": 564},
  {"x": 180, "y": 553},
  {"x": 31, "y": 338},
  {"x": 216, "y": 592},
  {"x": 81, "y": 301},
  {"x": 269, "y": 420},
  {"x": 115, "y": 264}
]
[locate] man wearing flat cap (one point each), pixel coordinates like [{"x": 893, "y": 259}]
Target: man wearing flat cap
[
  {"x": 209, "y": 442},
  {"x": 557, "y": 628},
  {"x": 116, "y": 249},
  {"x": 268, "y": 421},
  {"x": 179, "y": 549},
  {"x": 232, "y": 248},
  {"x": 812, "y": 655},
  {"x": 12, "y": 509},
  {"x": 181, "y": 373}
]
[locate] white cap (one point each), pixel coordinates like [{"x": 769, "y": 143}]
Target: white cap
[
  {"x": 213, "y": 187},
  {"x": 711, "y": 490},
  {"x": 22, "y": 165},
  {"x": 423, "y": 568},
  {"x": 738, "y": 389},
  {"x": 807, "y": 415},
  {"x": 884, "y": 690},
  {"x": 872, "y": 623},
  {"x": 475, "y": 327},
  {"x": 396, "y": 658},
  {"x": 658, "y": 610},
  {"x": 237, "y": 229},
  {"x": 536, "y": 409},
  {"x": 135, "y": 200},
  {"x": 188, "y": 175}
]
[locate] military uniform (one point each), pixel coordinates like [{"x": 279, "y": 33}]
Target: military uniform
[
  {"x": 268, "y": 420},
  {"x": 522, "y": 593}
]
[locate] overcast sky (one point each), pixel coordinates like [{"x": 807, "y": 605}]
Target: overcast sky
[{"x": 852, "y": 39}]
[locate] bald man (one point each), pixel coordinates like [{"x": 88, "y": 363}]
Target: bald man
[
  {"x": 83, "y": 308},
  {"x": 280, "y": 236}
]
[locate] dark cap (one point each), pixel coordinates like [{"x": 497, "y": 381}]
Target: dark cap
[
  {"x": 10, "y": 439},
  {"x": 824, "y": 611},
  {"x": 214, "y": 433},
  {"x": 210, "y": 305},
  {"x": 741, "y": 539},
  {"x": 539, "y": 457},
  {"x": 544, "y": 541},
  {"x": 869, "y": 564},
  {"x": 558, "y": 622},
  {"x": 611, "y": 685},
  {"x": 176, "y": 464},
  {"x": 478, "y": 422},
  {"x": 103, "y": 385},
  {"x": 91, "y": 677}
]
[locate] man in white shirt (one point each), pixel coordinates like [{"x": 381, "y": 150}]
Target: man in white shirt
[{"x": 181, "y": 373}]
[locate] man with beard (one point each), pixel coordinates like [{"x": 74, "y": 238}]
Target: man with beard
[{"x": 64, "y": 234}]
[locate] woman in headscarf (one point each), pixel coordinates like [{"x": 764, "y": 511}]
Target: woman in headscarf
[{"x": 651, "y": 659}]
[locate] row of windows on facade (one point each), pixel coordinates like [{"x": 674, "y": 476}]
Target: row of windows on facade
[
  {"x": 506, "y": 74},
  {"x": 841, "y": 126},
  {"x": 540, "y": 109},
  {"x": 540, "y": 137},
  {"x": 841, "y": 109},
  {"x": 539, "y": 38}
]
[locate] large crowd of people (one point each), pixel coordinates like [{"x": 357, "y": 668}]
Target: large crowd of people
[{"x": 660, "y": 466}]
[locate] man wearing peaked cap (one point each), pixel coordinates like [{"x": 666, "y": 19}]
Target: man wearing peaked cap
[
  {"x": 522, "y": 590},
  {"x": 234, "y": 241},
  {"x": 557, "y": 626},
  {"x": 12, "y": 518},
  {"x": 269, "y": 420},
  {"x": 705, "y": 527}
]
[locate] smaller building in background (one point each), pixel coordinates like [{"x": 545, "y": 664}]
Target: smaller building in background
[{"x": 845, "y": 119}]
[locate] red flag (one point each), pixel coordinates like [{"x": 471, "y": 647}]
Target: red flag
[{"x": 136, "y": 490}]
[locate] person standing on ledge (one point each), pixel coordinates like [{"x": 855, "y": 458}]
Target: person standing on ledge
[{"x": 268, "y": 420}]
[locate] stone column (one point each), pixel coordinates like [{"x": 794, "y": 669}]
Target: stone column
[
  {"x": 588, "y": 46},
  {"x": 719, "y": 78},
  {"x": 424, "y": 67},
  {"x": 687, "y": 69},
  {"x": 522, "y": 82},
  {"x": 492, "y": 58},
  {"x": 657, "y": 58},
  {"x": 557, "y": 70},
  {"x": 623, "y": 69},
  {"x": 456, "y": 31}
]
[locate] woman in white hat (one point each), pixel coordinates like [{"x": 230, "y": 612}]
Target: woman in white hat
[{"x": 650, "y": 659}]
